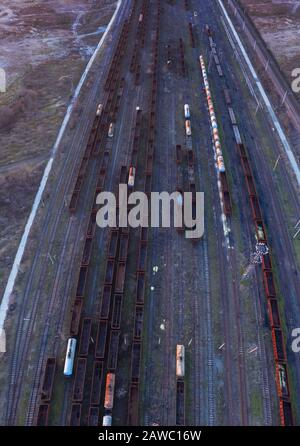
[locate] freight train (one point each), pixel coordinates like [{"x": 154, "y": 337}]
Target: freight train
[{"x": 214, "y": 125}]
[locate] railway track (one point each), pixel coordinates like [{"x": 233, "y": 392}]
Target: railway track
[
  {"x": 281, "y": 241},
  {"x": 59, "y": 325},
  {"x": 166, "y": 252},
  {"x": 24, "y": 333},
  {"x": 265, "y": 380},
  {"x": 117, "y": 157},
  {"x": 231, "y": 294},
  {"x": 286, "y": 416}
]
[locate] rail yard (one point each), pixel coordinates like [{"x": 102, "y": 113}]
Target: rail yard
[{"x": 143, "y": 326}]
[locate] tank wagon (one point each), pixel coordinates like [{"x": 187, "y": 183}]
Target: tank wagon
[
  {"x": 70, "y": 355},
  {"x": 187, "y": 113},
  {"x": 214, "y": 125},
  {"x": 188, "y": 128},
  {"x": 131, "y": 177},
  {"x": 109, "y": 399},
  {"x": 180, "y": 361}
]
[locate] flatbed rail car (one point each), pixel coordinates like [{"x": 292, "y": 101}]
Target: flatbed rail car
[
  {"x": 120, "y": 277},
  {"x": 138, "y": 323},
  {"x": 48, "y": 379},
  {"x": 227, "y": 96},
  {"x": 226, "y": 194},
  {"x": 232, "y": 116},
  {"x": 278, "y": 345},
  {"x": 75, "y": 415},
  {"x": 109, "y": 273},
  {"x": 101, "y": 339},
  {"x": 85, "y": 337},
  {"x": 113, "y": 350},
  {"x": 123, "y": 249},
  {"x": 92, "y": 225},
  {"x": 142, "y": 259},
  {"x": 273, "y": 310},
  {"x": 140, "y": 287},
  {"x": 79, "y": 379},
  {"x": 133, "y": 405},
  {"x": 76, "y": 315},
  {"x": 113, "y": 244},
  {"x": 148, "y": 184},
  {"x": 81, "y": 282},
  {"x": 105, "y": 302},
  {"x": 93, "y": 418},
  {"x": 180, "y": 397},
  {"x": 43, "y": 415},
  {"x": 269, "y": 284},
  {"x": 87, "y": 251},
  {"x": 192, "y": 37},
  {"x": 182, "y": 58},
  {"x": 96, "y": 383},
  {"x": 136, "y": 362},
  {"x": 285, "y": 408},
  {"x": 178, "y": 154},
  {"x": 117, "y": 312}
]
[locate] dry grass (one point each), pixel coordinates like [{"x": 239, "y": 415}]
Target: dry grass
[
  {"x": 279, "y": 25},
  {"x": 44, "y": 49}
]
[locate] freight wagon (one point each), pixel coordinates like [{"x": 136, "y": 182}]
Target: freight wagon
[
  {"x": 75, "y": 415},
  {"x": 85, "y": 337},
  {"x": 101, "y": 339},
  {"x": 109, "y": 391},
  {"x": 188, "y": 128},
  {"x": 131, "y": 177},
  {"x": 47, "y": 385},
  {"x": 79, "y": 379},
  {"x": 96, "y": 383},
  {"x": 70, "y": 355},
  {"x": 43, "y": 415},
  {"x": 180, "y": 361},
  {"x": 93, "y": 416},
  {"x": 107, "y": 420},
  {"x": 187, "y": 113}
]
